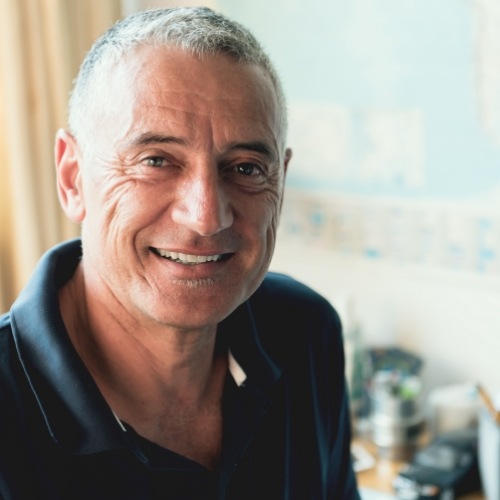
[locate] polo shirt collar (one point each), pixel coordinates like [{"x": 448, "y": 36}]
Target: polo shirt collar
[{"x": 77, "y": 416}]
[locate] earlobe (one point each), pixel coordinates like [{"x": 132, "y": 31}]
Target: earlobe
[
  {"x": 69, "y": 182},
  {"x": 288, "y": 157}
]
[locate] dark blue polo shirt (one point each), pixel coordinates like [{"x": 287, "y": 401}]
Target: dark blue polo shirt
[{"x": 286, "y": 427}]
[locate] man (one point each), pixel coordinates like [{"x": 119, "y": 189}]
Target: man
[{"x": 155, "y": 358}]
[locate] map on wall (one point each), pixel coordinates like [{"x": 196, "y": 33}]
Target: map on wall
[{"x": 388, "y": 97}]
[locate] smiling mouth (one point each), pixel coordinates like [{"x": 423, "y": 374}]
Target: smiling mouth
[{"x": 190, "y": 260}]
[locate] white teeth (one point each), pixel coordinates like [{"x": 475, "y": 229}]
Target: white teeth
[{"x": 186, "y": 258}]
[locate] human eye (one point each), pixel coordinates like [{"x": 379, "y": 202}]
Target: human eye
[
  {"x": 246, "y": 174},
  {"x": 249, "y": 169},
  {"x": 154, "y": 161},
  {"x": 249, "y": 172}
]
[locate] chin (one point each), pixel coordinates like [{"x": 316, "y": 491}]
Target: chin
[{"x": 191, "y": 317}]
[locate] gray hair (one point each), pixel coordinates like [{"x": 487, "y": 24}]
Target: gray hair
[{"x": 199, "y": 31}]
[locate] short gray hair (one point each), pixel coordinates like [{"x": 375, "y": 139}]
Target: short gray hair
[{"x": 199, "y": 31}]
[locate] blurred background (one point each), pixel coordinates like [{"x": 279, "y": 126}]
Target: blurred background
[{"x": 393, "y": 202}]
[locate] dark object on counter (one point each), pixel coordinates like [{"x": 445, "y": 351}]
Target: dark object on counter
[
  {"x": 444, "y": 470},
  {"x": 394, "y": 359}
]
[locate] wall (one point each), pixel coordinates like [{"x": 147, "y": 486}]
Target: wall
[
  {"x": 394, "y": 189},
  {"x": 445, "y": 311},
  {"x": 393, "y": 200}
]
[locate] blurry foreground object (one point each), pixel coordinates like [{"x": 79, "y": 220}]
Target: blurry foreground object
[{"x": 394, "y": 390}]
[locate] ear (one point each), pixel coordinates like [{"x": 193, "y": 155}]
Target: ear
[
  {"x": 286, "y": 161},
  {"x": 69, "y": 179},
  {"x": 288, "y": 157}
]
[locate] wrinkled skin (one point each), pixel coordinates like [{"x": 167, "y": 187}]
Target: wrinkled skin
[{"x": 187, "y": 157}]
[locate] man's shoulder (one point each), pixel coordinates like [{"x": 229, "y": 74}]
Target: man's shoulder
[
  {"x": 286, "y": 291},
  {"x": 284, "y": 301},
  {"x": 7, "y": 345},
  {"x": 4, "y": 321},
  {"x": 5, "y": 332},
  {"x": 9, "y": 363},
  {"x": 295, "y": 324}
]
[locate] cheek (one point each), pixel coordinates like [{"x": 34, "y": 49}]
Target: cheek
[
  {"x": 111, "y": 210},
  {"x": 263, "y": 217},
  {"x": 273, "y": 201}
]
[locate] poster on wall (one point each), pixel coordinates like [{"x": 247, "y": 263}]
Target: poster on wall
[{"x": 394, "y": 120}]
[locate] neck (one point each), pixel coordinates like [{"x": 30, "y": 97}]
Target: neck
[
  {"x": 136, "y": 366},
  {"x": 167, "y": 383}
]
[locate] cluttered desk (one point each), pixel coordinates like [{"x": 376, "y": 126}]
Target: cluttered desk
[
  {"x": 450, "y": 449},
  {"x": 376, "y": 475}
]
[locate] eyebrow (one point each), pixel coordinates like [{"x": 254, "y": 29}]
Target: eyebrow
[
  {"x": 154, "y": 138},
  {"x": 258, "y": 147}
]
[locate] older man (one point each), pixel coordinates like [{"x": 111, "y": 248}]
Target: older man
[{"x": 156, "y": 357}]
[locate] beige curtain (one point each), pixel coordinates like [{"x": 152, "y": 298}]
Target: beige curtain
[{"x": 42, "y": 43}]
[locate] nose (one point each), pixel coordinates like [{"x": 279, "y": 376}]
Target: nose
[{"x": 202, "y": 204}]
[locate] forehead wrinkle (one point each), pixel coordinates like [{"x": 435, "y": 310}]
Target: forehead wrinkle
[
  {"x": 254, "y": 141},
  {"x": 172, "y": 116},
  {"x": 183, "y": 101},
  {"x": 147, "y": 138}
]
